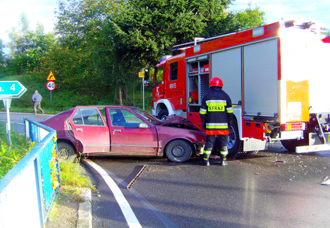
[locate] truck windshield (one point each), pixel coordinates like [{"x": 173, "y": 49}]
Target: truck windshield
[{"x": 158, "y": 75}]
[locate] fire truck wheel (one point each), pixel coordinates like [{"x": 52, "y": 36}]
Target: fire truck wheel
[
  {"x": 178, "y": 150},
  {"x": 65, "y": 150},
  {"x": 162, "y": 114},
  {"x": 291, "y": 144},
  {"x": 234, "y": 142}
]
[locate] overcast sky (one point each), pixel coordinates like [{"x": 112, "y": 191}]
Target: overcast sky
[{"x": 43, "y": 11}]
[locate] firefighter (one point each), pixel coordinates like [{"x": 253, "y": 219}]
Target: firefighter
[{"x": 216, "y": 114}]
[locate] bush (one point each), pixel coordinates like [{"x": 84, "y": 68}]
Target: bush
[{"x": 10, "y": 156}]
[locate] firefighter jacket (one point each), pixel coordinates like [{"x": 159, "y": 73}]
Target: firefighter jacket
[{"x": 216, "y": 112}]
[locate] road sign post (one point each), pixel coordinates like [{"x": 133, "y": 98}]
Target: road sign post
[
  {"x": 13, "y": 89},
  {"x": 141, "y": 75},
  {"x": 51, "y": 85},
  {"x": 7, "y": 103},
  {"x": 9, "y": 90}
]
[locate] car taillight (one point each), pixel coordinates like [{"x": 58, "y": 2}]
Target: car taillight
[{"x": 293, "y": 126}]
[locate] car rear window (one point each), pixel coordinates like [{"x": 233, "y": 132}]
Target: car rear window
[{"x": 88, "y": 117}]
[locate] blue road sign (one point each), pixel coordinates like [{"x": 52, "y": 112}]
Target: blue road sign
[{"x": 13, "y": 89}]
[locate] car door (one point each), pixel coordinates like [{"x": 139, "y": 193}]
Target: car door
[
  {"x": 127, "y": 137},
  {"x": 89, "y": 128}
]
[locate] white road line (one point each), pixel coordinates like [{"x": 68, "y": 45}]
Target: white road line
[{"x": 129, "y": 215}]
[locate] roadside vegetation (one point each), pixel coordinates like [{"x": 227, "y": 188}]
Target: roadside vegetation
[{"x": 10, "y": 156}]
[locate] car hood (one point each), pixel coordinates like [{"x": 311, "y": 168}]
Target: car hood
[{"x": 180, "y": 122}]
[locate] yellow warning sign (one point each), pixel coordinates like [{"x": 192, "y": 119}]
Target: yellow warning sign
[
  {"x": 51, "y": 77},
  {"x": 141, "y": 74}
]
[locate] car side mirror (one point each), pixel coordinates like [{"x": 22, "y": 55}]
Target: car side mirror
[{"x": 143, "y": 125}]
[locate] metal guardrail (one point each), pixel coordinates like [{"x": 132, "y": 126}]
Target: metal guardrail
[{"x": 29, "y": 189}]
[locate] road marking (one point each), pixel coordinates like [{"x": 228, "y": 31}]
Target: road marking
[{"x": 129, "y": 215}]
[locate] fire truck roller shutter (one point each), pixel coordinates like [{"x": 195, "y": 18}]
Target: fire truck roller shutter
[
  {"x": 260, "y": 76},
  {"x": 227, "y": 66}
]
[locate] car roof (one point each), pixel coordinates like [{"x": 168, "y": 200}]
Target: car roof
[{"x": 107, "y": 106}]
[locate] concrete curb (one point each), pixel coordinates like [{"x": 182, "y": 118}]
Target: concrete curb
[{"x": 85, "y": 209}]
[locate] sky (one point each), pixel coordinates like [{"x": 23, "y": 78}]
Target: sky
[
  {"x": 42, "y": 11},
  {"x": 317, "y": 11}
]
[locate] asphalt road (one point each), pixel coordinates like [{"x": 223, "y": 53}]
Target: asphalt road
[
  {"x": 273, "y": 188},
  {"x": 16, "y": 119}
]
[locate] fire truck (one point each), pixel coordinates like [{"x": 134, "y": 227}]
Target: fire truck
[{"x": 276, "y": 75}]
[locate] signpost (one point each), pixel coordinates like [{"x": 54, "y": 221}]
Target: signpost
[
  {"x": 14, "y": 89},
  {"x": 141, "y": 75},
  {"x": 9, "y": 90},
  {"x": 144, "y": 74},
  {"x": 51, "y": 85}
]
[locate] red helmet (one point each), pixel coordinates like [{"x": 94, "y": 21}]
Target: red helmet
[{"x": 216, "y": 82}]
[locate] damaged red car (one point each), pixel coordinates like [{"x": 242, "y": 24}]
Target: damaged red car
[{"x": 124, "y": 131}]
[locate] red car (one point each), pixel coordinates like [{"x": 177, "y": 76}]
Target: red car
[{"x": 121, "y": 130}]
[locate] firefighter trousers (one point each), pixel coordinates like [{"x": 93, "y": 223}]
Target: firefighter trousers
[{"x": 211, "y": 141}]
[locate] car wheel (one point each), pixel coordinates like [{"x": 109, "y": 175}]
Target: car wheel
[
  {"x": 178, "y": 151},
  {"x": 162, "y": 114},
  {"x": 64, "y": 150}
]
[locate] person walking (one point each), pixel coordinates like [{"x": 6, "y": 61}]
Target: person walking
[
  {"x": 36, "y": 98},
  {"x": 216, "y": 113}
]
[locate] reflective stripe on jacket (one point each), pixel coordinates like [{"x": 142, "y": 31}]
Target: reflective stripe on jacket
[{"x": 216, "y": 110}]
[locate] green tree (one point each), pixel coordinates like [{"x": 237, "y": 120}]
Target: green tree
[
  {"x": 83, "y": 29},
  {"x": 27, "y": 48},
  {"x": 19, "y": 43},
  {"x": 152, "y": 27},
  {"x": 2, "y": 56},
  {"x": 250, "y": 18}
]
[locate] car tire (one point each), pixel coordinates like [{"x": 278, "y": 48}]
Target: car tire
[
  {"x": 162, "y": 114},
  {"x": 178, "y": 150},
  {"x": 65, "y": 150}
]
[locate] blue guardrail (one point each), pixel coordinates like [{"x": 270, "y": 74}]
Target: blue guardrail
[{"x": 29, "y": 189}]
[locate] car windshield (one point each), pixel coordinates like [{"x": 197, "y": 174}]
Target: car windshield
[{"x": 147, "y": 116}]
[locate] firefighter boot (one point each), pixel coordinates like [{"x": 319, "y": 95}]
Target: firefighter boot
[
  {"x": 223, "y": 158},
  {"x": 206, "y": 157}
]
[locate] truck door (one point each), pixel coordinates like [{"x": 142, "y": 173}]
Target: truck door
[
  {"x": 89, "y": 128},
  {"x": 175, "y": 89},
  {"x": 158, "y": 85}
]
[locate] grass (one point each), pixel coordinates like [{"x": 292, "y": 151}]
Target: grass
[
  {"x": 60, "y": 99},
  {"x": 11, "y": 155},
  {"x": 72, "y": 179}
]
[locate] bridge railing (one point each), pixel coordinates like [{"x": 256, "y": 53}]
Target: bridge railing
[{"x": 29, "y": 189}]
